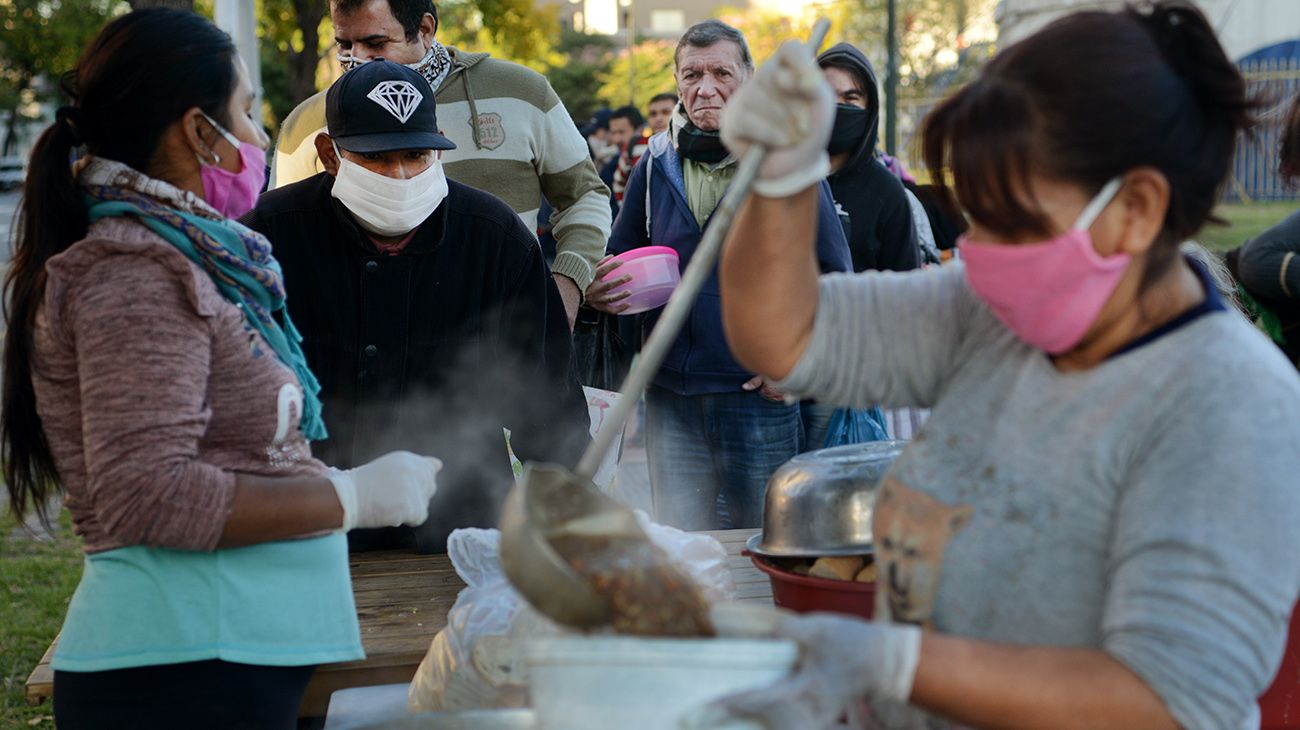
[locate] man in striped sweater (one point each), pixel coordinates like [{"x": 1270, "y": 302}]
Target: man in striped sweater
[{"x": 513, "y": 136}]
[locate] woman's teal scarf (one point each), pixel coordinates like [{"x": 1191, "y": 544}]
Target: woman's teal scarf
[{"x": 240, "y": 263}]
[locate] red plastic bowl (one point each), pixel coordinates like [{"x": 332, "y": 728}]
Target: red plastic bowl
[{"x": 803, "y": 594}]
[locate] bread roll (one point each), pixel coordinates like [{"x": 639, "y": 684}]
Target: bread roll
[
  {"x": 837, "y": 568},
  {"x": 867, "y": 574}
]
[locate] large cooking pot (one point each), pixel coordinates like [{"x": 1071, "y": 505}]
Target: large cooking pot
[{"x": 820, "y": 503}]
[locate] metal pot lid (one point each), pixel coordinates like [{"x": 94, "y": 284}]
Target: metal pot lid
[{"x": 755, "y": 545}]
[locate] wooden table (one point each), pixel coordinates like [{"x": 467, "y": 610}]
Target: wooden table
[{"x": 402, "y": 602}]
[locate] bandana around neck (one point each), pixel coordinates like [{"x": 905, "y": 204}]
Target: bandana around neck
[
  {"x": 238, "y": 259},
  {"x": 434, "y": 67},
  {"x": 694, "y": 143}
]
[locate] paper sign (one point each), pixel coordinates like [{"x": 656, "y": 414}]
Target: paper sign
[{"x": 600, "y": 404}]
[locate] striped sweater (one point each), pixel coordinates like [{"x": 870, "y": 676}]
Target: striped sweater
[{"x": 522, "y": 147}]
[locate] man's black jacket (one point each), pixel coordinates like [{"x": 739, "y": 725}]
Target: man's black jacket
[{"x": 433, "y": 350}]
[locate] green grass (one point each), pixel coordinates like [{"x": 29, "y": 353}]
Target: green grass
[
  {"x": 37, "y": 578},
  {"x": 1246, "y": 220}
]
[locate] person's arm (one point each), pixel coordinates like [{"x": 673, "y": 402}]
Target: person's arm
[
  {"x": 143, "y": 354},
  {"x": 988, "y": 685},
  {"x": 768, "y": 279},
  {"x": 294, "y": 156},
  {"x": 1270, "y": 264},
  {"x": 265, "y": 509},
  {"x": 581, "y": 221},
  {"x": 882, "y": 338},
  {"x": 832, "y": 241},
  {"x": 897, "y": 234},
  {"x": 548, "y": 411}
]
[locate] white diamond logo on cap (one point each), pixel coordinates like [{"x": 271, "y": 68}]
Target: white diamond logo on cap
[{"x": 399, "y": 98}]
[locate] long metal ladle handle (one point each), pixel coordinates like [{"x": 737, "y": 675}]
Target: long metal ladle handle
[{"x": 683, "y": 298}]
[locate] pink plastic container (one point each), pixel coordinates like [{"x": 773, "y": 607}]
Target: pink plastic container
[{"x": 655, "y": 272}]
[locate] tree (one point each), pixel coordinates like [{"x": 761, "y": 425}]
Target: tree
[
  {"x": 177, "y": 4},
  {"x": 584, "y": 57},
  {"x": 41, "y": 40},
  {"x": 652, "y": 63},
  {"x": 514, "y": 30},
  {"x": 295, "y": 38}
]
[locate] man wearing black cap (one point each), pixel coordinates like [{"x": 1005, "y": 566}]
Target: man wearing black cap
[{"x": 425, "y": 306}]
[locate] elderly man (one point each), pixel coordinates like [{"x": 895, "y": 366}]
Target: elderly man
[
  {"x": 711, "y": 427},
  {"x": 513, "y": 137},
  {"x": 425, "y": 306}
]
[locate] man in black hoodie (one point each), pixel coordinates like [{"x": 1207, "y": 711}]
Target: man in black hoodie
[{"x": 879, "y": 228}]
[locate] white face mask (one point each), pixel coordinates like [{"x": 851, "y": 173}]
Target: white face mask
[{"x": 386, "y": 206}]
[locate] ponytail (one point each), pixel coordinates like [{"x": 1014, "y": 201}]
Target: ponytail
[
  {"x": 51, "y": 218},
  {"x": 1289, "y": 164},
  {"x": 1190, "y": 46}
]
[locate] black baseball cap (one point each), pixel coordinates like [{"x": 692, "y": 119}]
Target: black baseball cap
[{"x": 381, "y": 106}]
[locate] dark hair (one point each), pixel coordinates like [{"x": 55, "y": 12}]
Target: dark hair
[
  {"x": 630, "y": 113},
  {"x": 139, "y": 75},
  {"x": 409, "y": 13},
  {"x": 1087, "y": 98},
  {"x": 705, "y": 34},
  {"x": 666, "y": 96},
  {"x": 1289, "y": 164}
]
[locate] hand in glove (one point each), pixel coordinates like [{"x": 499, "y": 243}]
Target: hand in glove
[
  {"x": 789, "y": 108},
  {"x": 842, "y": 660},
  {"x": 392, "y": 490}
]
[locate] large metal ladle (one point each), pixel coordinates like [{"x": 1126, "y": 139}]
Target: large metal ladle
[{"x": 550, "y": 502}]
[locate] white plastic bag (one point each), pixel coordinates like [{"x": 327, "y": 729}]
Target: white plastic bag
[
  {"x": 477, "y": 660},
  {"x": 471, "y": 662}
]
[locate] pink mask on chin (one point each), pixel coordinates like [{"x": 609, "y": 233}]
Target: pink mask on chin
[
  {"x": 1047, "y": 293},
  {"x": 233, "y": 194}
]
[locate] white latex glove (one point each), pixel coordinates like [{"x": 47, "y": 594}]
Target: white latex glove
[
  {"x": 392, "y": 490},
  {"x": 842, "y": 660},
  {"x": 789, "y": 108}
]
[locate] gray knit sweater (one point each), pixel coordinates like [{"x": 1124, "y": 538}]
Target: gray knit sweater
[{"x": 1149, "y": 506}]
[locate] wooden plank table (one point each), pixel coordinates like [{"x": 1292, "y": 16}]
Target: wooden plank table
[{"x": 402, "y": 602}]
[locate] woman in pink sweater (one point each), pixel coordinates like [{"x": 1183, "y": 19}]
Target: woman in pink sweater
[{"x": 152, "y": 376}]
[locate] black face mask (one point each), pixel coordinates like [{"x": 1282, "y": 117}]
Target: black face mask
[{"x": 849, "y": 130}]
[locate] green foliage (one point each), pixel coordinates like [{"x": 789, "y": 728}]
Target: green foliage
[
  {"x": 45, "y": 37},
  {"x": 295, "y": 36},
  {"x": 652, "y": 67},
  {"x": 514, "y": 30},
  {"x": 582, "y": 58},
  {"x": 37, "y": 577},
  {"x": 41, "y": 40}
]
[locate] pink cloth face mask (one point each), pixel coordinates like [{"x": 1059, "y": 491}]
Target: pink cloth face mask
[
  {"x": 233, "y": 194},
  {"x": 1047, "y": 293}
]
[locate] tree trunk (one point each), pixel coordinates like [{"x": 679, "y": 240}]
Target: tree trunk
[
  {"x": 302, "y": 64},
  {"x": 11, "y": 126},
  {"x": 177, "y": 4}
]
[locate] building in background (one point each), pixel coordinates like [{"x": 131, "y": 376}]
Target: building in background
[
  {"x": 1262, "y": 36},
  {"x": 1246, "y": 27}
]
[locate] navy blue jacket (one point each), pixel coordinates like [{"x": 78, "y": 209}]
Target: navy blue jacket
[{"x": 699, "y": 361}]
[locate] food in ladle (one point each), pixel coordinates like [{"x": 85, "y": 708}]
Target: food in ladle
[{"x": 649, "y": 595}]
